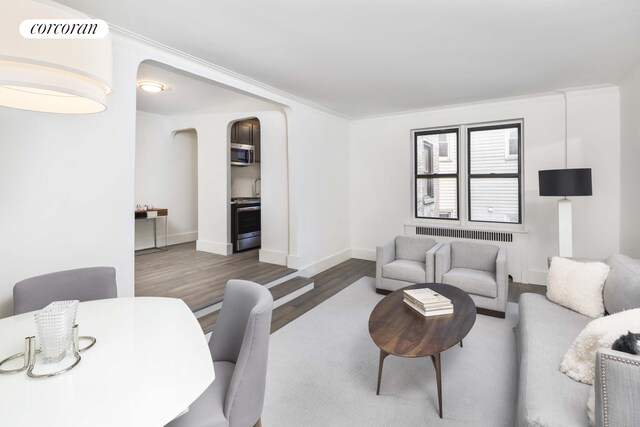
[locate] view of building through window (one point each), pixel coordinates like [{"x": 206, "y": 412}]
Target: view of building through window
[
  {"x": 437, "y": 174},
  {"x": 492, "y": 169},
  {"x": 494, "y": 179}
]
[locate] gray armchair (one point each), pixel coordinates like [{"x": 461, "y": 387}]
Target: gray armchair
[
  {"x": 239, "y": 348},
  {"x": 404, "y": 261},
  {"x": 83, "y": 284},
  {"x": 617, "y": 386},
  {"x": 478, "y": 269}
]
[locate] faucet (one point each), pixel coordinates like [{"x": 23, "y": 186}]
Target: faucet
[{"x": 256, "y": 191}]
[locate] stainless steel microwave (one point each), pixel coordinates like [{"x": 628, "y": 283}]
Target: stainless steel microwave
[{"x": 242, "y": 155}]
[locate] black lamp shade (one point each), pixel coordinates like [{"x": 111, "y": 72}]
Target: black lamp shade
[{"x": 565, "y": 182}]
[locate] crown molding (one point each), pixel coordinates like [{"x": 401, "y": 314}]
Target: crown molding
[{"x": 150, "y": 42}]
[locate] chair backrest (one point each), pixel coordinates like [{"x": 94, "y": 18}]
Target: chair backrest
[
  {"x": 476, "y": 256},
  {"x": 413, "y": 248},
  {"x": 84, "y": 284},
  {"x": 241, "y": 336}
]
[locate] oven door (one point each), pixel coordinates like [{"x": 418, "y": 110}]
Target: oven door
[
  {"x": 247, "y": 229},
  {"x": 242, "y": 155}
]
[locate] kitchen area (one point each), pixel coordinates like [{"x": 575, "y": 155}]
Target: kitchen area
[{"x": 246, "y": 182}]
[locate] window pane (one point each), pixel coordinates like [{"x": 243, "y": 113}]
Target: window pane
[
  {"x": 490, "y": 151},
  {"x": 428, "y": 155},
  {"x": 437, "y": 198},
  {"x": 494, "y": 199}
]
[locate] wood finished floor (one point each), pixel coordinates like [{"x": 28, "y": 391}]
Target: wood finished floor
[{"x": 197, "y": 277}]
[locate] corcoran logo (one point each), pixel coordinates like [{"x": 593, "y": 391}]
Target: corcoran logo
[{"x": 64, "y": 29}]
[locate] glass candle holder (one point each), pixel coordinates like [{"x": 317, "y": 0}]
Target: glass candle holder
[{"x": 55, "y": 329}]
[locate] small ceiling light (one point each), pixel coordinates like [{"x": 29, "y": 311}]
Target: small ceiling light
[{"x": 151, "y": 87}]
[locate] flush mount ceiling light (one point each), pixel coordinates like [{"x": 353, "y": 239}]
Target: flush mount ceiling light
[
  {"x": 152, "y": 87},
  {"x": 61, "y": 75}
]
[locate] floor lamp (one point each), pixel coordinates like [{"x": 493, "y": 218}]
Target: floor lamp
[{"x": 565, "y": 183}]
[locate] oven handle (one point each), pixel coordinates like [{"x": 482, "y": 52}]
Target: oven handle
[{"x": 250, "y": 208}]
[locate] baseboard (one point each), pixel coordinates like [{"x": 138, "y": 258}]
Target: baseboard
[
  {"x": 366, "y": 254},
  {"x": 214, "y": 247},
  {"x": 293, "y": 261},
  {"x": 172, "y": 239},
  {"x": 272, "y": 257},
  {"x": 176, "y": 239},
  {"x": 537, "y": 277},
  {"x": 325, "y": 263}
]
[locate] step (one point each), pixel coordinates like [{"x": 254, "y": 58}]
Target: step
[{"x": 282, "y": 293}]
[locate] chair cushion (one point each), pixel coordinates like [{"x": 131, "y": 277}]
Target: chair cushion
[
  {"x": 402, "y": 269},
  {"x": 474, "y": 256},
  {"x": 208, "y": 409},
  {"x": 413, "y": 248},
  {"x": 622, "y": 287},
  {"x": 475, "y": 282}
]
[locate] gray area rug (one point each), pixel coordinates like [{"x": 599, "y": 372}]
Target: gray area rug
[{"x": 323, "y": 372}]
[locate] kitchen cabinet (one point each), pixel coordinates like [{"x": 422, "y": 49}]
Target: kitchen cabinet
[{"x": 247, "y": 132}]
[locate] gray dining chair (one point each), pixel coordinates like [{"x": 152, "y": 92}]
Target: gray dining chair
[
  {"x": 239, "y": 348},
  {"x": 84, "y": 284}
]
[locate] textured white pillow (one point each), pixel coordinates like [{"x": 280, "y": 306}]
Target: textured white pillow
[
  {"x": 577, "y": 285},
  {"x": 580, "y": 361}
]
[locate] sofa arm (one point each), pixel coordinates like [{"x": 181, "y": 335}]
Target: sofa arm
[
  {"x": 384, "y": 255},
  {"x": 443, "y": 261},
  {"x": 430, "y": 263},
  {"x": 617, "y": 387},
  {"x": 502, "y": 275}
]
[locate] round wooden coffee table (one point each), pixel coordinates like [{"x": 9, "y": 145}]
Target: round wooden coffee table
[{"x": 400, "y": 330}]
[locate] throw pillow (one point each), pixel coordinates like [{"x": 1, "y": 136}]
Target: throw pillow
[
  {"x": 580, "y": 361},
  {"x": 577, "y": 285}
]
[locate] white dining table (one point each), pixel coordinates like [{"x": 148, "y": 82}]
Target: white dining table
[{"x": 150, "y": 362}]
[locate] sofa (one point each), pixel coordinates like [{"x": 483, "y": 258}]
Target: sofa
[
  {"x": 480, "y": 270},
  {"x": 404, "y": 261},
  {"x": 546, "y": 396}
]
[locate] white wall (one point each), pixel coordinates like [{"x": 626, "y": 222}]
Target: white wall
[
  {"x": 630, "y": 165},
  {"x": 320, "y": 189},
  {"x": 66, "y": 185},
  {"x": 381, "y": 171},
  {"x": 215, "y": 172},
  {"x": 243, "y": 179},
  {"x": 166, "y": 176},
  {"x": 67, "y": 182}
]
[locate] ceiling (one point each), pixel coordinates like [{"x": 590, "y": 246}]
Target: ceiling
[
  {"x": 191, "y": 94},
  {"x": 370, "y": 57}
]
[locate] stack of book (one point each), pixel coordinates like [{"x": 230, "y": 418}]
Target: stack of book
[{"x": 428, "y": 302}]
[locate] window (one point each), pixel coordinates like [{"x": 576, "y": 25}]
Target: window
[
  {"x": 436, "y": 183},
  {"x": 494, "y": 182},
  {"x": 511, "y": 145},
  {"x": 486, "y": 168},
  {"x": 443, "y": 146}
]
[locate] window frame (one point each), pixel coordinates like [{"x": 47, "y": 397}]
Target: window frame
[
  {"x": 416, "y": 176},
  {"x": 518, "y": 175}
]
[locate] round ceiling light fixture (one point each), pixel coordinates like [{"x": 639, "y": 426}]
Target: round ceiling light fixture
[
  {"x": 152, "y": 87},
  {"x": 52, "y": 75}
]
